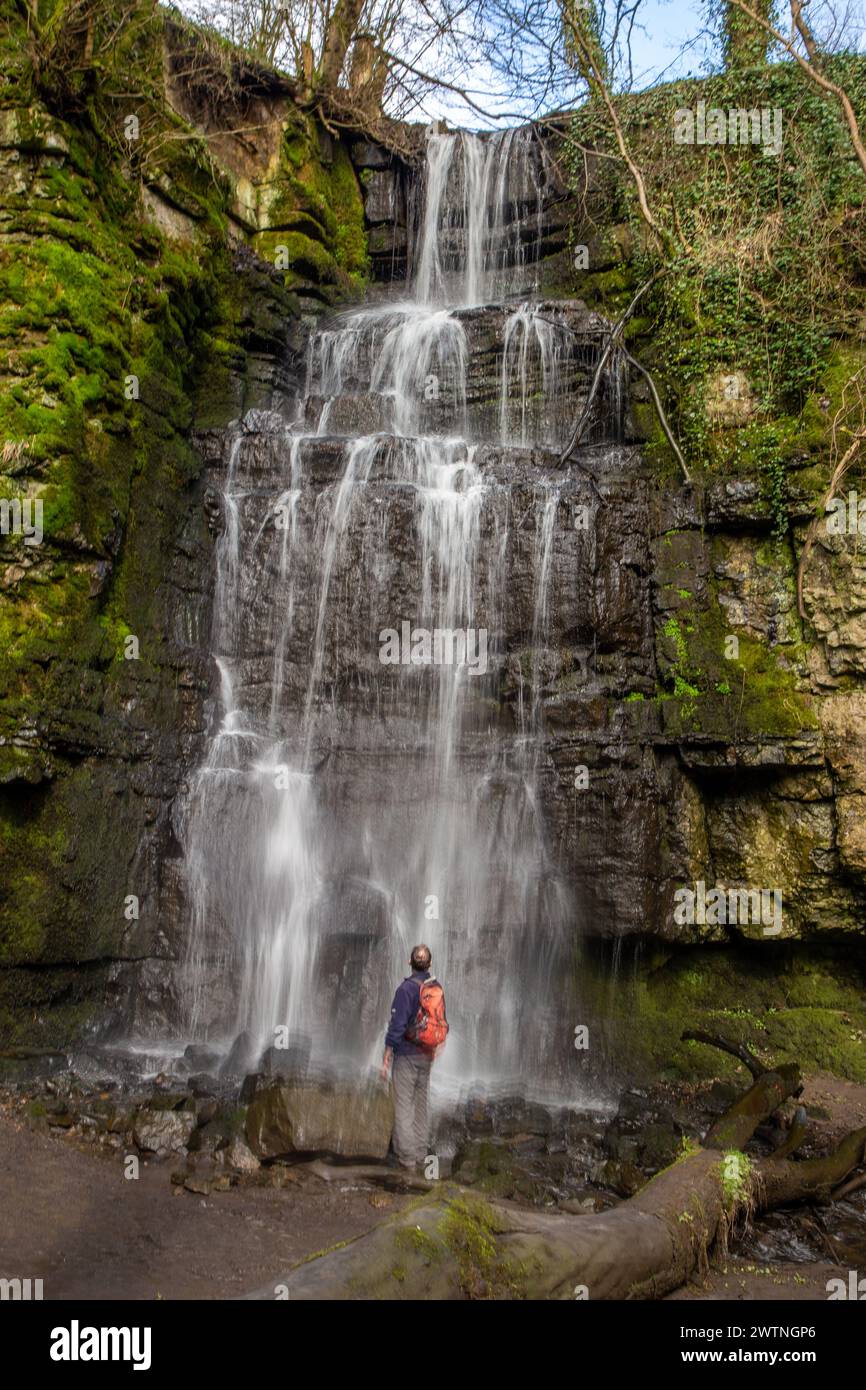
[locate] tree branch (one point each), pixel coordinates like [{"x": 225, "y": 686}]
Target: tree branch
[{"x": 812, "y": 72}]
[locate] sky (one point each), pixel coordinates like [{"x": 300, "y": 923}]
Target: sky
[{"x": 667, "y": 25}]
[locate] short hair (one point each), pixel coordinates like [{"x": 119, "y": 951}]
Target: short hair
[{"x": 420, "y": 958}]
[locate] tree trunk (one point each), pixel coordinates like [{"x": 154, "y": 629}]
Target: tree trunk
[
  {"x": 368, "y": 74},
  {"x": 746, "y": 43},
  {"x": 340, "y": 32}
]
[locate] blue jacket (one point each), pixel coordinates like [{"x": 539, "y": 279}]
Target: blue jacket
[{"x": 403, "y": 1012}]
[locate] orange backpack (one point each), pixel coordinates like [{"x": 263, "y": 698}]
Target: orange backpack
[{"x": 430, "y": 1028}]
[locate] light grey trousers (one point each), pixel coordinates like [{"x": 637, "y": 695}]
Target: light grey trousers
[{"x": 411, "y": 1082}]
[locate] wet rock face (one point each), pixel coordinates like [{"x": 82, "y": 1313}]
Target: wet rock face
[
  {"x": 385, "y": 182},
  {"x": 694, "y": 777},
  {"x": 759, "y": 780},
  {"x": 636, "y": 804},
  {"x": 546, "y": 356},
  {"x": 597, "y": 591},
  {"x": 539, "y": 212}
]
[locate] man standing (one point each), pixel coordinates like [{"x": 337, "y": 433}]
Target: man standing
[{"x": 417, "y": 1029}]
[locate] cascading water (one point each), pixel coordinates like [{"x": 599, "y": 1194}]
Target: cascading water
[
  {"x": 367, "y": 787},
  {"x": 481, "y": 217}
]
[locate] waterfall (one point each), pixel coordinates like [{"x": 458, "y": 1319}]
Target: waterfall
[
  {"x": 532, "y": 341},
  {"x": 367, "y": 786},
  {"x": 481, "y": 220}
]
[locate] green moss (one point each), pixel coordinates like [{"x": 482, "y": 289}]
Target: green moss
[
  {"x": 351, "y": 244},
  {"x": 673, "y": 631},
  {"x": 753, "y": 694},
  {"x": 611, "y": 289},
  {"x": 420, "y": 1243},
  {"x": 326, "y": 1250},
  {"x": 834, "y": 1038},
  {"x": 307, "y": 259},
  {"x": 826, "y": 400},
  {"x": 790, "y": 1004},
  {"x": 469, "y": 1229},
  {"x": 65, "y": 1000},
  {"x": 315, "y": 210}
]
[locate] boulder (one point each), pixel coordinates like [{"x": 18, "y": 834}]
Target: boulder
[
  {"x": 203, "y": 1085},
  {"x": 252, "y": 1085},
  {"x": 110, "y": 1115},
  {"x": 239, "y": 1157},
  {"x": 623, "y": 1177},
  {"x": 514, "y": 1115},
  {"x": 207, "y": 1138},
  {"x": 201, "y": 1058},
  {"x": 293, "y": 1118},
  {"x": 205, "y": 1109},
  {"x": 166, "y": 1100},
  {"x": 240, "y": 1058},
  {"x": 163, "y": 1131},
  {"x": 478, "y": 1117}
]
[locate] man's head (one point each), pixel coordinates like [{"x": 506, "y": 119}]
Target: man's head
[{"x": 420, "y": 958}]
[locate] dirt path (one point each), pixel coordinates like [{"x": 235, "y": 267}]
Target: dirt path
[{"x": 71, "y": 1219}]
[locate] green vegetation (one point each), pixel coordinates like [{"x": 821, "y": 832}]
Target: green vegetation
[
  {"x": 717, "y": 676},
  {"x": 791, "y": 1004},
  {"x": 763, "y": 269},
  {"x": 735, "y": 1171},
  {"x": 469, "y": 1229}
]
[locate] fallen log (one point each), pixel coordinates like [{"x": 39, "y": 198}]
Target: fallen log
[
  {"x": 782, "y": 1181},
  {"x": 771, "y": 1089},
  {"x": 797, "y": 1136},
  {"x": 454, "y": 1245}
]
